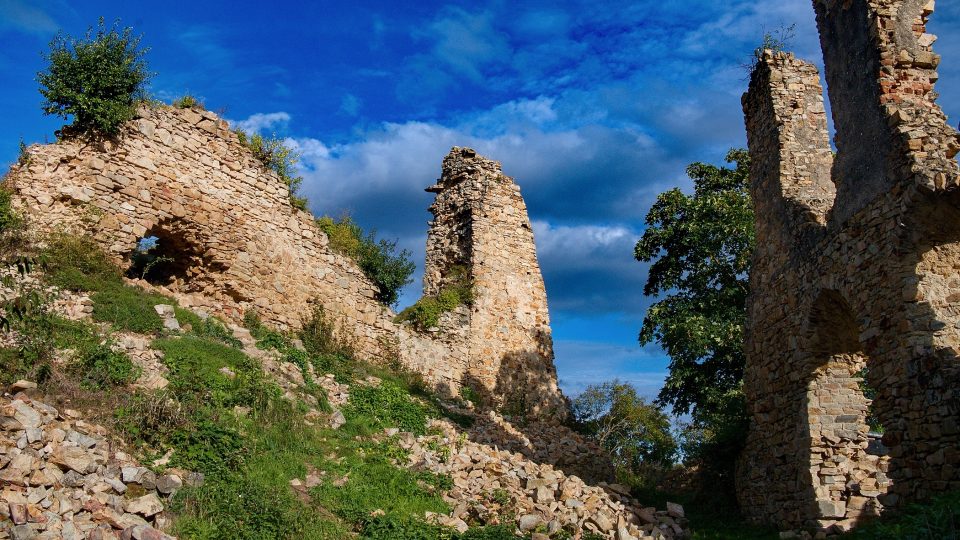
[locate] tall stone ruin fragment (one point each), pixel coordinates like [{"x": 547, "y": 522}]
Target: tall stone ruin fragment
[
  {"x": 856, "y": 275},
  {"x": 182, "y": 178},
  {"x": 481, "y": 227}
]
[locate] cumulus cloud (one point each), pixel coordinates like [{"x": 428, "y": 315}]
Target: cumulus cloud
[{"x": 262, "y": 122}]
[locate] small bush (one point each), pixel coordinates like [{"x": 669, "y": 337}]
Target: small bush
[
  {"x": 276, "y": 156},
  {"x": 99, "y": 366},
  {"x": 97, "y": 79},
  {"x": 319, "y": 338},
  {"x": 128, "y": 308},
  {"x": 23, "y": 155},
  {"x": 77, "y": 263},
  {"x": 211, "y": 327},
  {"x": 388, "y": 270},
  {"x": 426, "y": 312},
  {"x": 9, "y": 219},
  {"x": 387, "y": 405},
  {"x": 188, "y": 102}
]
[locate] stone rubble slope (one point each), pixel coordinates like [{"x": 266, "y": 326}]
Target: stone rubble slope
[
  {"x": 490, "y": 483},
  {"x": 62, "y": 477}
]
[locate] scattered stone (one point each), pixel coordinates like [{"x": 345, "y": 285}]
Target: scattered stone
[
  {"x": 169, "y": 483},
  {"x": 21, "y": 386}
]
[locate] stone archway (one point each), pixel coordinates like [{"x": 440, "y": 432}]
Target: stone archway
[
  {"x": 848, "y": 464},
  {"x": 172, "y": 256}
]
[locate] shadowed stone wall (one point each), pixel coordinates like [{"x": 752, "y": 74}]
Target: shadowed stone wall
[
  {"x": 856, "y": 274},
  {"x": 183, "y": 177}
]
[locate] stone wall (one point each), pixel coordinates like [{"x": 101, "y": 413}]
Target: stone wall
[
  {"x": 856, "y": 274},
  {"x": 183, "y": 177}
]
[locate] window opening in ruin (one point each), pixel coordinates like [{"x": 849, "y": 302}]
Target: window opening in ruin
[
  {"x": 163, "y": 258},
  {"x": 848, "y": 471}
]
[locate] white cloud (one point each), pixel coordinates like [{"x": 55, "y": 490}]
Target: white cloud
[
  {"x": 261, "y": 122},
  {"x": 580, "y": 240},
  {"x": 22, "y": 16}
]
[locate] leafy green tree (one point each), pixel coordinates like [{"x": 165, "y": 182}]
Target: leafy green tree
[
  {"x": 97, "y": 79},
  {"x": 389, "y": 270},
  {"x": 701, "y": 246},
  {"x": 632, "y": 430}
]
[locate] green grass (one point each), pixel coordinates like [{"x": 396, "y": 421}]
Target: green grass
[
  {"x": 224, "y": 417},
  {"x": 249, "y": 459},
  {"x": 937, "y": 519}
]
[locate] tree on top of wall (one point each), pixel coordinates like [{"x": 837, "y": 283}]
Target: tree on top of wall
[{"x": 97, "y": 79}]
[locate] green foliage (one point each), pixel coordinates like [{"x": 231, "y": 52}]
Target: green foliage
[
  {"x": 23, "y": 154},
  {"x": 195, "y": 367},
  {"x": 128, "y": 308},
  {"x": 76, "y": 263},
  {"x": 319, "y": 337},
  {"x": 776, "y": 41},
  {"x": 97, "y": 79},
  {"x": 387, "y": 405},
  {"x": 99, "y": 366},
  {"x": 869, "y": 392},
  {"x": 188, "y": 102},
  {"x": 10, "y": 221},
  {"x": 936, "y": 519},
  {"x": 634, "y": 432},
  {"x": 209, "y": 327},
  {"x": 701, "y": 246},
  {"x": 276, "y": 156},
  {"x": 426, "y": 312},
  {"x": 388, "y": 270}
]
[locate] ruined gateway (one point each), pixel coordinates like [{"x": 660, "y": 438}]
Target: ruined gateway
[
  {"x": 857, "y": 266},
  {"x": 183, "y": 177}
]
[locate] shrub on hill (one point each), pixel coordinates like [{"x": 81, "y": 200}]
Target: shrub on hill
[
  {"x": 388, "y": 270},
  {"x": 426, "y": 312},
  {"x": 97, "y": 79},
  {"x": 276, "y": 156}
]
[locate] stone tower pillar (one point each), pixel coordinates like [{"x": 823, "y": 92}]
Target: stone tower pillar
[
  {"x": 853, "y": 320},
  {"x": 481, "y": 228}
]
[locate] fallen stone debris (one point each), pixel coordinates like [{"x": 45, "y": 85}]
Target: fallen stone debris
[
  {"x": 62, "y": 477},
  {"x": 491, "y": 484}
]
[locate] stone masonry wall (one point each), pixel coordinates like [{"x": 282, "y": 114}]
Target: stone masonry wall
[
  {"x": 183, "y": 177},
  {"x": 480, "y": 224},
  {"x": 856, "y": 274}
]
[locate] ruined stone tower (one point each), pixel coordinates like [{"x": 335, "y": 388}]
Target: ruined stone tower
[
  {"x": 481, "y": 228},
  {"x": 856, "y": 275}
]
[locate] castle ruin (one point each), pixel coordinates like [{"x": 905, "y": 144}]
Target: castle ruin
[
  {"x": 182, "y": 177},
  {"x": 855, "y": 283}
]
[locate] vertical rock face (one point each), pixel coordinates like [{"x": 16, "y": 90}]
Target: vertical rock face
[
  {"x": 855, "y": 285},
  {"x": 481, "y": 229},
  {"x": 236, "y": 244}
]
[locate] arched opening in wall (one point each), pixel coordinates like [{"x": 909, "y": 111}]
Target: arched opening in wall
[
  {"x": 166, "y": 256},
  {"x": 848, "y": 465}
]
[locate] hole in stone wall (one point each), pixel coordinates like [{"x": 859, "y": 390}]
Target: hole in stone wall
[
  {"x": 163, "y": 257},
  {"x": 847, "y": 469}
]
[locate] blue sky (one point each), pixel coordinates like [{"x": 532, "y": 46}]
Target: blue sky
[{"x": 593, "y": 106}]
